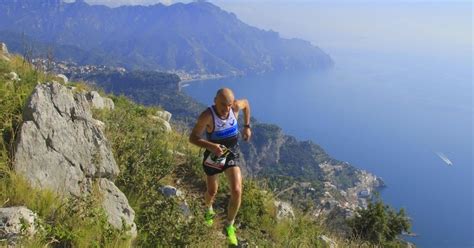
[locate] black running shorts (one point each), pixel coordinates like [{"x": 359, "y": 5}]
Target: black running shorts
[{"x": 232, "y": 160}]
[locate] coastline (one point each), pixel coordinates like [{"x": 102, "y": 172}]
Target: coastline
[{"x": 186, "y": 82}]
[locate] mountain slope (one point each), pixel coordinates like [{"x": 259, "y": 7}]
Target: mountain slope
[{"x": 198, "y": 37}]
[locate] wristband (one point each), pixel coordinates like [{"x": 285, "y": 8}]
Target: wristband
[{"x": 247, "y": 126}]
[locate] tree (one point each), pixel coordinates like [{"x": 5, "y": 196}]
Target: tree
[{"x": 378, "y": 223}]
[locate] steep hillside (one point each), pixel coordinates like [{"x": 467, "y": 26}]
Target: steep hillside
[
  {"x": 150, "y": 157},
  {"x": 269, "y": 154},
  {"x": 158, "y": 171}
]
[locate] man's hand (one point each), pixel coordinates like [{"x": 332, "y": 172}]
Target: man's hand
[
  {"x": 246, "y": 134},
  {"x": 217, "y": 150}
]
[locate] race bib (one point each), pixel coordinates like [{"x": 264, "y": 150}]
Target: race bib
[{"x": 216, "y": 162}]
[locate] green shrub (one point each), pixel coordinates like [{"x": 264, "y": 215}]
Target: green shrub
[{"x": 378, "y": 224}]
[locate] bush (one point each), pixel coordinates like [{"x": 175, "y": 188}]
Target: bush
[
  {"x": 162, "y": 223},
  {"x": 378, "y": 224}
]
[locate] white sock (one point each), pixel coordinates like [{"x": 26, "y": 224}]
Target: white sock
[
  {"x": 210, "y": 209},
  {"x": 230, "y": 223}
]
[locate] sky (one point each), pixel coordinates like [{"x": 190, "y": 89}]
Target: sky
[
  {"x": 428, "y": 26},
  {"x": 424, "y": 26}
]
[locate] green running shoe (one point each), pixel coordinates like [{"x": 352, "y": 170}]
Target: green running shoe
[
  {"x": 230, "y": 230},
  {"x": 209, "y": 217}
]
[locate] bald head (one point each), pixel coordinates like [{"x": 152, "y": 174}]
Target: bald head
[
  {"x": 225, "y": 95},
  {"x": 223, "y": 101}
]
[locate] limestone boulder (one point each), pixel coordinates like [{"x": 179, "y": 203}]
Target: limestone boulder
[
  {"x": 61, "y": 147},
  {"x": 116, "y": 205},
  {"x": 17, "y": 222}
]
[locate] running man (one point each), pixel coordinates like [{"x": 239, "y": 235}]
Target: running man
[{"x": 220, "y": 123}]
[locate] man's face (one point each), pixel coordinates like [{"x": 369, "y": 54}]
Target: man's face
[{"x": 223, "y": 106}]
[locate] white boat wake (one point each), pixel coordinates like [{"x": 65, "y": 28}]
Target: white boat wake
[{"x": 444, "y": 158}]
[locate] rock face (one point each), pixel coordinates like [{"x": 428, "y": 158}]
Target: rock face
[
  {"x": 61, "y": 147},
  {"x": 263, "y": 150},
  {"x": 16, "y": 222}
]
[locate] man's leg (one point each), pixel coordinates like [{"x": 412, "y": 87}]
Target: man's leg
[
  {"x": 212, "y": 185},
  {"x": 235, "y": 183}
]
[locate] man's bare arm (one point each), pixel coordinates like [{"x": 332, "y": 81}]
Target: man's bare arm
[
  {"x": 243, "y": 104},
  {"x": 195, "y": 137}
]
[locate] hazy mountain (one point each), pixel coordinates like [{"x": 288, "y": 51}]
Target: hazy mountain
[{"x": 196, "y": 37}]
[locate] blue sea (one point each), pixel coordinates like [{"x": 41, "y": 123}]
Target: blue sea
[{"x": 388, "y": 113}]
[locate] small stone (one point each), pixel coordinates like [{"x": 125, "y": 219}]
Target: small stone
[
  {"x": 63, "y": 77},
  {"x": 3, "y": 48},
  {"x": 170, "y": 191},
  {"x": 165, "y": 115},
  {"x": 327, "y": 241},
  {"x": 17, "y": 222}
]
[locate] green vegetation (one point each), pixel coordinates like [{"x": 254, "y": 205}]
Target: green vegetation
[
  {"x": 148, "y": 158},
  {"x": 70, "y": 222},
  {"x": 379, "y": 224}
]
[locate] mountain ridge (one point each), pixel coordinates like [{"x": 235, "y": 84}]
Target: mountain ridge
[{"x": 197, "y": 37}]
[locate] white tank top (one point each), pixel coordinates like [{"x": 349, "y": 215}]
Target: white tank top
[{"x": 225, "y": 131}]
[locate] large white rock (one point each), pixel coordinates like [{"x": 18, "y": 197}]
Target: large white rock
[
  {"x": 62, "y": 148},
  {"x": 60, "y": 144},
  {"x": 16, "y": 222}
]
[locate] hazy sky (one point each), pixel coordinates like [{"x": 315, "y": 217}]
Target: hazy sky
[
  {"x": 399, "y": 26},
  {"x": 390, "y": 25}
]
